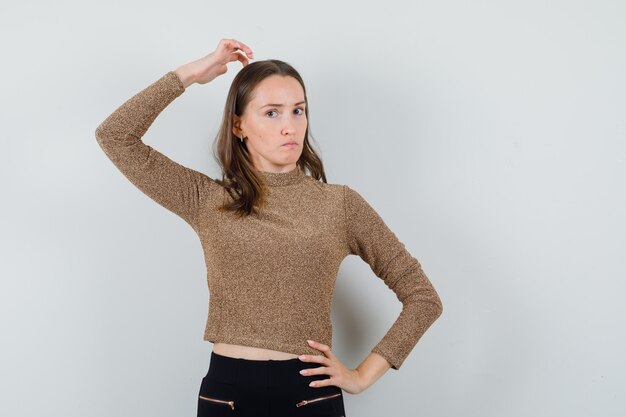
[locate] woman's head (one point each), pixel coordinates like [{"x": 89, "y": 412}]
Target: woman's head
[
  {"x": 273, "y": 116},
  {"x": 267, "y": 106}
]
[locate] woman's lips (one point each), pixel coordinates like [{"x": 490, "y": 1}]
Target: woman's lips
[{"x": 290, "y": 144}]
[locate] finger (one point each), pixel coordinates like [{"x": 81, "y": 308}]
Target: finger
[
  {"x": 322, "y": 382},
  {"x": 322, "y": 347},
  {"x": 234, "y": 44},
  {"x": 241, "y": 58},
  {"x": 315, "y": 358},
  {"x": 235, "y": 56},
  {"x": 230, "y": 45},
  {"x": 321, "y": 370},
  {"x": 245, "y": 48}
]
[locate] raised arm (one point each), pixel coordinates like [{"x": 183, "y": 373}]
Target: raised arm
[
  {"x": 177, "y": 188},
  {"x": 370, "y": 238},
  {"x": 172, "y": 185}
]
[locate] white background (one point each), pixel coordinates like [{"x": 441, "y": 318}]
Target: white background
[{"x": 489, "y": 135}]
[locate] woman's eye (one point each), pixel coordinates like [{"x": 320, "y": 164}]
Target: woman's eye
[{"x": 269, "y": 113}]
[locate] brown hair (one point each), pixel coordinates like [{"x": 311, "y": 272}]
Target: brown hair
[{"x": 238, "y": 176}]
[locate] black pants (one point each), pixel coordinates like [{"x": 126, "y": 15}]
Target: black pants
[{"x": 266, "y": 388}]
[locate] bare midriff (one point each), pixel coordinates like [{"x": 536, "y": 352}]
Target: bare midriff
[{"x": 250, "y": 352}]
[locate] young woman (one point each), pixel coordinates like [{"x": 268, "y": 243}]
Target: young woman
[{"x": 273, "y": 238}]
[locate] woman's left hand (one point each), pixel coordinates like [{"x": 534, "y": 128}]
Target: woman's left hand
[{"x": 347, "y": 379}]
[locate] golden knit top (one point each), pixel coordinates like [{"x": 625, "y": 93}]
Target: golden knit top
[{"x": 271, "y": 275}]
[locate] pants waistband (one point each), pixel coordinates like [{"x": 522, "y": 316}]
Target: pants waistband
[{"x": 260, "y": 372}]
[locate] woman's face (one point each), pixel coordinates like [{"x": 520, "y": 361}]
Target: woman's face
[{"x": 273, "y": 117}]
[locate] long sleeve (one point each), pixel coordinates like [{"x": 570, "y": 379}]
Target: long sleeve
[
  {"x": 370, "y": 238},
  {"x": 174, "y": 186}
]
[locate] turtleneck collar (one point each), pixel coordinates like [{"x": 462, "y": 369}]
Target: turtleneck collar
[{"x": 277, "y": 179}]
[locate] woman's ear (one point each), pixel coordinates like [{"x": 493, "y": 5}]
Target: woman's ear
[{"x": 236, "y": 126}]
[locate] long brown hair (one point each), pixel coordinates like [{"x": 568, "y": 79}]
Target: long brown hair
[{"x": 238, "y": 175}]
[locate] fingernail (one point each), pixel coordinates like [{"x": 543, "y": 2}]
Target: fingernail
[
  {"x": 310, "y": 341},
  {"x": 301, "y": 357}
]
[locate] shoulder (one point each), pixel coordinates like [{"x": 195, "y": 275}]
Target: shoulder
[
  {"x": 334, "y": 190},
  {"x": 347, "y": 197}
]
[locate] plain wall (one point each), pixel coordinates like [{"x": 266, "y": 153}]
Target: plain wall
[{"x": 489, "y": 135}]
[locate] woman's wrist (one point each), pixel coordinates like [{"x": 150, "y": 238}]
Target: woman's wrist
[
  {"x": 371, "y": 369},
  {"x": 186, "y": 75}
]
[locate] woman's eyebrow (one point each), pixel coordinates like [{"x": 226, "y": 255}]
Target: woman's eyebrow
[{"x": 281, "y": 105}]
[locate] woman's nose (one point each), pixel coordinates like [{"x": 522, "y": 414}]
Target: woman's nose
[
  {"x": 290, "y": 125},
  {"x": 289, "y": 129}
]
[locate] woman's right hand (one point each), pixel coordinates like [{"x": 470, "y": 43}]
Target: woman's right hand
[{"x": 209, "y": 67}]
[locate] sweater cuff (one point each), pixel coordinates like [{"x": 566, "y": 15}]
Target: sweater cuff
[
  {"x": 173, "y": 77},
  {"x": 395, "y": 363}
]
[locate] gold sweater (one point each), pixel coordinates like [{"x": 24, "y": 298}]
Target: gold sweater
[{"x": 271, "y": 276}]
